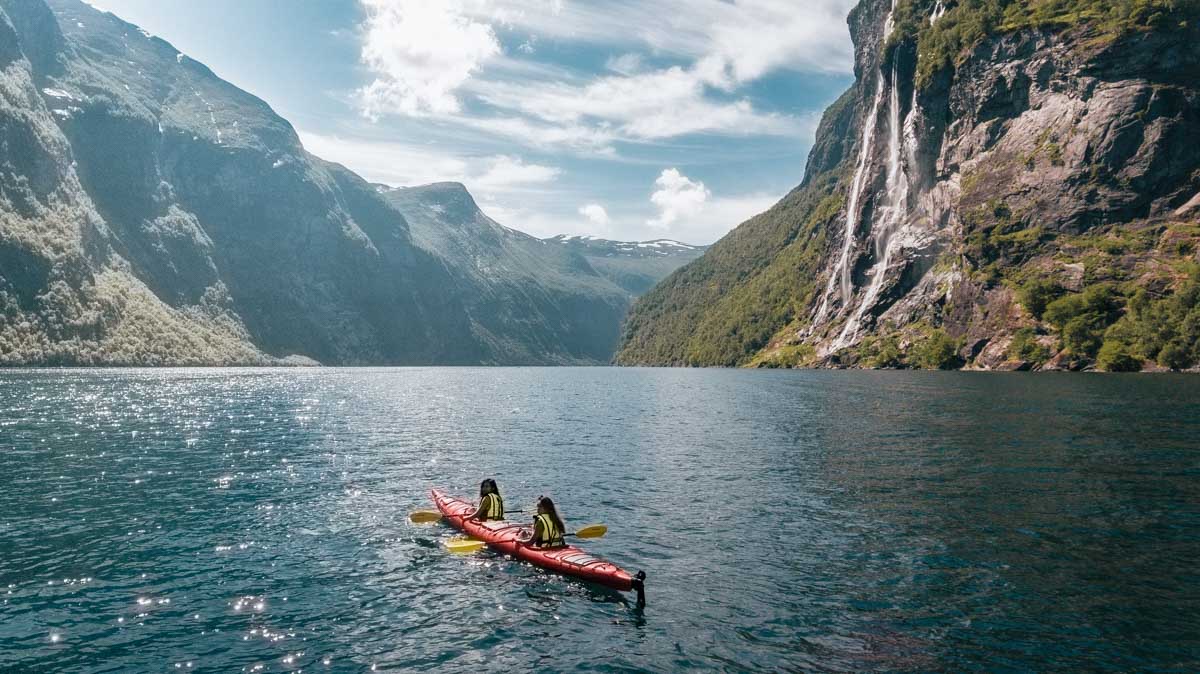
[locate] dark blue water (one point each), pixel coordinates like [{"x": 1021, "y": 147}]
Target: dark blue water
[{"x": 836, "y": 521}]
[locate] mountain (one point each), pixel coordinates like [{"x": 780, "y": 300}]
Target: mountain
[
  {"x": 533, "y": 300},
  {"x": 153, "y": 214},
  {"x": 1010, "y": 184},
  {"x": 635, "y": 266}
]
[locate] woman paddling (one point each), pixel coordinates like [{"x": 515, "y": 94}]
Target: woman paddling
[
  {"x": 547, "y": 527},
  {"x": 491, "y": 506}
]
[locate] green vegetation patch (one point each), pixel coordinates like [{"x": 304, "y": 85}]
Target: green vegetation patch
[
  {"x": 918, "y": 347},
  {"x": 727, "y": 306},
  {"x": 1026, "y": 347},
  {"x": 881, "y": 352},
  {"x": 937, "y": 350},
  {"x": 996, "y": 238},
  {"x": 789, "y": 355},
  {"x": 946, "y": 43},
  {"x": 1164, "y": 329}
]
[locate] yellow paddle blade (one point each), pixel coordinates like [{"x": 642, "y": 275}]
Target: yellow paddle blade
[
  {"x": 464, "y": 546},
  {"x": 592, "y": 531},
  {"x": 424, "y": 516}
]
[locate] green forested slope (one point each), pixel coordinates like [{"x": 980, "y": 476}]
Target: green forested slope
[{"x": 722, "y": 308}]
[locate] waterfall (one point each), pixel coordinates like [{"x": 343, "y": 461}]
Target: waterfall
[
  {"x": 888, "y": 228},
  {"x": 894, "y": 210},
  {"x": 841, "y": 272},
  {"x": 840, "y": 277},
  {"x": 939, "y": 10},
  {"x": 889, "y": 231}
]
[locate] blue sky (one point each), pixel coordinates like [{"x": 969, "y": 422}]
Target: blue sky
[{"x": 627, "y": 119}]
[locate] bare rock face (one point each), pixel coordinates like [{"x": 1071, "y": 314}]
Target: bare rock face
[
  {"x": 1036, "y": 132},
  {"x": 1037, "y": 162},
  {"x": 151, "y": 213}
]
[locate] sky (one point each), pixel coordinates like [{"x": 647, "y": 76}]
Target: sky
[{"x": 624, "y": 119}]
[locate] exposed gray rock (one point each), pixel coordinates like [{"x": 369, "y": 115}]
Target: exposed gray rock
[{"x": 152, "y": 213}]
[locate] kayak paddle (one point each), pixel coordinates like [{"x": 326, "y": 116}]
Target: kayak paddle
[
  {"x": 427, "y": 516},
  {"x": 591, "y": 531},
  {"x": 464, "y": 546},
  {"x": 469, "y": 545}
]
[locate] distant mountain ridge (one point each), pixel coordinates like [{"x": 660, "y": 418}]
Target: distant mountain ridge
[
  {"x": 551, "y": 291},
  {"x": 635, "y": 266},
  {"x": 154, "y": 214}
]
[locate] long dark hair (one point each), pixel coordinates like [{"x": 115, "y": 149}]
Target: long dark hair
[
  {"x": 485, "y": 485},
  {"x": 545, "y": 502}
]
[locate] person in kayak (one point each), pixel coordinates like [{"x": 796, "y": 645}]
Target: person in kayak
[
  {"x": 491, "y": 506},
  {"x": 547, "y": 527}
]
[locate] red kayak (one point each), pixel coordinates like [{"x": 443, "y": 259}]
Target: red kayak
[{"x": 569, "y": 560}]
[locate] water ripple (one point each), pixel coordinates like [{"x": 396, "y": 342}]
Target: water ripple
[{"x": 245, "y": 520}]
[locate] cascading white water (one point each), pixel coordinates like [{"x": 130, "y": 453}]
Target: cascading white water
[
  {"x": 893, "y": 213},
  {"x": 840, "y": 277},
  {"x": 890, "y": 225},
  {"x": 939, "y": 10},
  {"x": 841, "y": 272}
]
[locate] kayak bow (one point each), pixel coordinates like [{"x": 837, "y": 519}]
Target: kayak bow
[{"x": 568, "y": 560}]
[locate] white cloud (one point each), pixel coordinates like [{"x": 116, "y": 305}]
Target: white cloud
[
  {"x": 398, "y": 164},
  {"x": 515, "y": 192},
  {"x": 720, "y": 215},
  {"x": 530, "y": 220},
  {"x": 688, "y": 211},
  {"x": 652, "y": 105},
  {"x": 577, "y": 137},
  {"x": 625, "y": 64},
  {"x": 391, "y": 163},
  {"x": 766, "y": 35},
  {"x": 753, "y": 36},
  {"x": 677, "y": 197},
  {"x": 507, "y": 171},
  {"x": 420, "y": 53},
  {"x": 595, "y": 214},
  {"x": 426, "y": 55}
]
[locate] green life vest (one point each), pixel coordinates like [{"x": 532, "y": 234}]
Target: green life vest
[
  {"x": 491, "y": 507},
  {"x": 551, "y": 536}
]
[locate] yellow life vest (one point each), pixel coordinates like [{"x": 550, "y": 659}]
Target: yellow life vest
[
  {"x": 491, "y": 507},
  {"x": 551, "y": 536}
]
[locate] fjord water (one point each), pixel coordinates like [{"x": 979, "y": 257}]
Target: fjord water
[{"x": 226, "y": 520}]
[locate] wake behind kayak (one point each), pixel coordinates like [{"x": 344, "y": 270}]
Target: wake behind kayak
[{"x": 568, "y": 560}]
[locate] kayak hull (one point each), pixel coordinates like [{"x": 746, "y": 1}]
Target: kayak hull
[{"x": 502, "y": 537}]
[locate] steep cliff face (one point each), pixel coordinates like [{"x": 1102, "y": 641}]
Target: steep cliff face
[
  {"x": 1014, "y": 189},
  {"x": 156, "y": 214},
  {"x": 65, "y": 294},
  {"x": 151, "y": 213}
]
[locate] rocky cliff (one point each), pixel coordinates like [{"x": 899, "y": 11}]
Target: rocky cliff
[
  {"x": 151, "y": 213},
  {"x": 1008, "y": 185}
]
